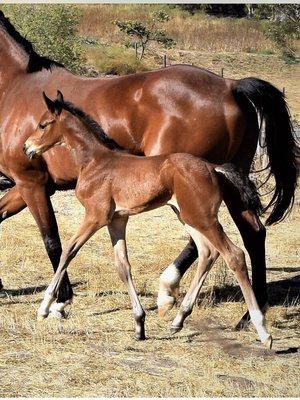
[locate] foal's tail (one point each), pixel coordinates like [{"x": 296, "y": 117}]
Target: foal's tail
[{"x": 246, "y": 189}]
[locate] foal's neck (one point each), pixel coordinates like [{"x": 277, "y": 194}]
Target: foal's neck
[{"x": 84, "y": 144}]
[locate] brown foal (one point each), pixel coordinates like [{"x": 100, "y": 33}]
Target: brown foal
[{"x": 113, "y": 185}]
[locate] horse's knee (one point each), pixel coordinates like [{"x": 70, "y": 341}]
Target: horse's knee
[{"x": 53, "y": 247}]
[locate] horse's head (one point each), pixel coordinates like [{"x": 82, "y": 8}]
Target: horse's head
[{"x": 48, "y": 132}]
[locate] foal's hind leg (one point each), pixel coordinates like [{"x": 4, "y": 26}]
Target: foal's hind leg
[
  {"x": 117, "y": 229},
  {"x": 235, "y": 259},
  {"x": 253, "y": 233},
  {"x": 207, "y": 257}
]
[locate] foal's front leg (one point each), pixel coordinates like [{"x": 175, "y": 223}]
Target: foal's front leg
[
  {"x": 117, "y": 229},
  {"x": 86, "y": 230}
]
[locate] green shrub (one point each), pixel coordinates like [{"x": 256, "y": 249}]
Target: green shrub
[
  {"x": 51, "y": 29},
  {"x": 115, "y": 60}
]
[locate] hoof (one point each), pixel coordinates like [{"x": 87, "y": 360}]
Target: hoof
[
  {"x": 243, "y": 323},
  {"x": 139, "y": 336},
  {"x": 268, "y": 342},
  {"x": 57, "y": 314},
  {"x": 41, "y": 317},
  {"x": 174, "y": 329},
  {"x": 166, "y": 306}
]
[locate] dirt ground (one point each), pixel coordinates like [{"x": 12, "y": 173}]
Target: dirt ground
[{"x": 93, "y": 353}]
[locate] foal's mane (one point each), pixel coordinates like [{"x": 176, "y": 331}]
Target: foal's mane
[
  {"x": 91, "y": 124},
  {"x": 35, "y": 62}
]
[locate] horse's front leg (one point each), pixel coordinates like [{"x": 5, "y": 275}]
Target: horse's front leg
[
  {"x": 11, "y": 203},
  {"x": 117, "y": 229},
  {"x": 39, "y": 204},
  {"x": 86, "y": 230}
]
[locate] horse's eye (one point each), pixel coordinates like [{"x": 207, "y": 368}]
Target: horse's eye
[{"x": 42, "y": 126}]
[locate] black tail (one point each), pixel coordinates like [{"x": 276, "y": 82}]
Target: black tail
[
  {"x": 280, "y": 142},
  {"x": 244, "y": 186}
]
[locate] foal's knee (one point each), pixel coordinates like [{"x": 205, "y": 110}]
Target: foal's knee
[{"x": 236, "y": 261}]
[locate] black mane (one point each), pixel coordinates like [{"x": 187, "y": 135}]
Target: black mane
[
  {"x": 90, "y": 123},
  {"x": 36, "y": 62}
]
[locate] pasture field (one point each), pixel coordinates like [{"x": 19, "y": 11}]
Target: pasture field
[{"x": 93, "y": 353}]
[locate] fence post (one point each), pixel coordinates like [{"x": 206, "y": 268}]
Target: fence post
[
  {"x": 165, "y": 60},
  {"x": 136, "y": 49}
]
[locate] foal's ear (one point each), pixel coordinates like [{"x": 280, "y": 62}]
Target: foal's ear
[
  {"x": 49, "y": 103},
  {"x": 58, "y": 103},
  {"x": 59, "y": 97}
]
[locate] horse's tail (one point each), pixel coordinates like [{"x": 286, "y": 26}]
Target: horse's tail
[
  {"x": 280, "y": 142},
  {"x": 245, "y": 188}
]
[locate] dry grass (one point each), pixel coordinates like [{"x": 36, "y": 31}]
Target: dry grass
[
  {"x": 92, "y": 353},
  {"x": 198, "y": 32},
  {"x": 238, "y": 46}
]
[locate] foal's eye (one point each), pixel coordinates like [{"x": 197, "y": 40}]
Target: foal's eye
[{"x": 42, "y": 126}]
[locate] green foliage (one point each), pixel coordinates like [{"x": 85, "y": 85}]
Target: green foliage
[
  {"x": 282, "y": 26},
  {"x": 116, "y": 60},
  {"x": 143, "y": 33},
  {"x": 224, "y": 10},
  {"x": 51, "y": 29}
]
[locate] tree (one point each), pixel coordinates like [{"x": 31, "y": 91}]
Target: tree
[
  {"x": 282, "y": 26},
  {"x": 51, "y": 29},
  {"x": 144, "y": 33},
  {"x": 221, "y": 10}
]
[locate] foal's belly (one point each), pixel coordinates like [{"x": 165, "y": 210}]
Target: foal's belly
[{"x": 133, "y": 209}]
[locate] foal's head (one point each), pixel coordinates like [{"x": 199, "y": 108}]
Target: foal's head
[
  {"x": 60, "y": 118},
  {"x": 49, "y": 131}
]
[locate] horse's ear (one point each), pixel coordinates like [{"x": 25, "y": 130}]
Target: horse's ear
[
  {"x": 59, "y": 96},
  {"x": 49, "y": 103}
]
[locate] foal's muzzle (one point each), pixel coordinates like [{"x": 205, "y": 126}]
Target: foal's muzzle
[{"x": 29, "y": 151}]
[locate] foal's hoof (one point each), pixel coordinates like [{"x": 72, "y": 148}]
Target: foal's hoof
[
  {"x": 58, "y": 314},
  {"x": 175, "y": 328},
  {"x": 268, "y": 342},
  {"x": 165, "y": 305}
]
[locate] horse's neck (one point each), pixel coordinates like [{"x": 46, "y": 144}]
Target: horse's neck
[{"x": 13, "y": 58}]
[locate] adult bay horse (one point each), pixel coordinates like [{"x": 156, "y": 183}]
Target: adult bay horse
[
  {"x": 176, "y": 109},
  {"x": 112, "y": 186}
]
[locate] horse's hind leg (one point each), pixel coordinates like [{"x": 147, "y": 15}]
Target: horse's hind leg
[
  {"x": 170, "y": 279},
  {"x": 235, "y": 259},
  {"x": 207, "y": 257},
  {"x": 117, "y": 229}
]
